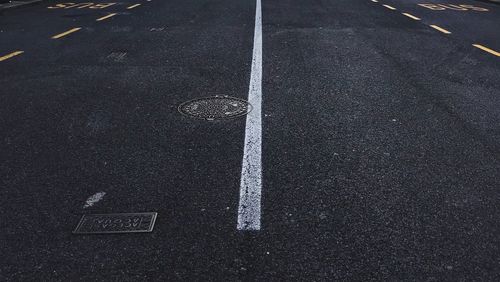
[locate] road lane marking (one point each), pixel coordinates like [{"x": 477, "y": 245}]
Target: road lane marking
[
  {"x": 66, "y": 33},
  {"x": 493, "y": 52},
  {"x": 411, "y": 16},
  {"x": 389, "y": 7},
  {"x": 106, "y": 17},
  {"x": 133, "y": 6},
  {"x": 87, "y": 5},
  {"x": 440, "y": 29},
  {"x": 13, "y": 54},
  {"x": 443, "y": 7},
  {"x": 249, "y": 208},
  {"x": 475, "y": 8},
  {"x": 92, "y": 200}
]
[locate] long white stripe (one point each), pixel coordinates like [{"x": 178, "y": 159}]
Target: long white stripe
[{"x": 251, "y": 172}]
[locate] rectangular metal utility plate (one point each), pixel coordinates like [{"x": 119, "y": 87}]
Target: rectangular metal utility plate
[{"x": 116, "y": 223}]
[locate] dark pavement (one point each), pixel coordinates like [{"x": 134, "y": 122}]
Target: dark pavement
[{"x": 380, "y": 150}]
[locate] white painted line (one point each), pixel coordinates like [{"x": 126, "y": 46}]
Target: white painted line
[
  {"x": 411, "y": 16},
  {"x": 92, "y": 200},
  {"x": 389, "y": 7},
  {"x": 8, "y": 56},
  {"x": 133, "y": 6},
  {"x": 484, "y": 48},
  {"x": 440, "y": 29},
  {"x": 106, "y": 17},
  {"x": 249, "y": 209}
]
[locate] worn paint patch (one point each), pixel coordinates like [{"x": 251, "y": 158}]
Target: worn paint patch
[
  {"x": 118, "y": 57},
  {"x": 92, "y": 200}
]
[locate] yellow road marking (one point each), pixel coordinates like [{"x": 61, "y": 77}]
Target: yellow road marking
[
  {"x": 440, "y": 29},
  {"x": 66, "y": 33},
  {"x": 13, "y": 54},
  {"x": 106, "y": 17},
  {"x": 133, "y": 6},
  {"x": 487, "y": 49},
  {"x": 389, "y": 7},
  {"x": 411, "y": 16}
]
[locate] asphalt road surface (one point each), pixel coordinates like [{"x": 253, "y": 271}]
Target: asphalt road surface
[{"x": 371, "y": 152}]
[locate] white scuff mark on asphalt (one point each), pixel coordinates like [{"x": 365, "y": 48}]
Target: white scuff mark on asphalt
[
  {"x": 92, "y": 200},
  {"x": 249, "y": 209}
]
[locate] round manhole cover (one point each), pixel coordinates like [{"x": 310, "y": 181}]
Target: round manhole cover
[{"x": 217, "y": 107}]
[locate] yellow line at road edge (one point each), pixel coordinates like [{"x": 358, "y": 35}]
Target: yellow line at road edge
[
  {"x": 389, "y": 7},
  {"x": 106, "y": 17},
  {"x": 133, "y": 6},
  {"x": 8, "y": 56},
  {"x": 411, "y": 16},
  {"x": 440, "y": 29},
  {"x": 493, "y": 52},
  {"x": 66, "y": 33}
]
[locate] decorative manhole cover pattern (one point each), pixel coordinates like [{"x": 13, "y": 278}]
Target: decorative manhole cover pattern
[
  {"x": 116, "y": 223},
  {"x": 217, "y": 107}
]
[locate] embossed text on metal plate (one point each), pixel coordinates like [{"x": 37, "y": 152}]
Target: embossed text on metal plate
[{"x": 116, "y": 223}]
